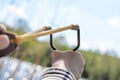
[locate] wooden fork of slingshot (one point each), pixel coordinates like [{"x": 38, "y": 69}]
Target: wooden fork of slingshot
[{"x": 22, "y": 38}]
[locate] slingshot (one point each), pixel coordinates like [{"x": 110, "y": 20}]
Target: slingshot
[{"x": 39, "y": 33}]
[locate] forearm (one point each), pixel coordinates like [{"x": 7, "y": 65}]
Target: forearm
[{"x": 57, "y": 74}]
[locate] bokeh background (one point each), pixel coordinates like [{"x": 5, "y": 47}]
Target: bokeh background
[{"x": 99, "y": 22}]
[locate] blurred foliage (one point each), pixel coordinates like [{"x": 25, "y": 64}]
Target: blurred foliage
[
  {"x": 101, "y": 67},
  {"x": 98, "y": 66}
]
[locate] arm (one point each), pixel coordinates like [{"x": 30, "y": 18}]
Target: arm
[{"x": 67, "y": 65}]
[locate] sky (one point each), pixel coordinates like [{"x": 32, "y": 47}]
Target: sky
[{"x": 99, "y": 20}]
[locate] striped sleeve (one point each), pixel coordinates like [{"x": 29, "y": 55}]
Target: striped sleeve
[{"x": 57, "y": 74}]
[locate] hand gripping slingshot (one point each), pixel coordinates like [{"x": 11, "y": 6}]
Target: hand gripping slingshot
[{"x": 16, "y": 40}]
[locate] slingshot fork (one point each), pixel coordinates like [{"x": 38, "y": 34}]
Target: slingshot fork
[{"x": 22, "y": 38}]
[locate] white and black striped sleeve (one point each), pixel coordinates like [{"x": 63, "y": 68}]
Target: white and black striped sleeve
[{"x": 57, "y": 74}]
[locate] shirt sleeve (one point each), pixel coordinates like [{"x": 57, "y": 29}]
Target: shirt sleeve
[{"x": 57, "y": 74}]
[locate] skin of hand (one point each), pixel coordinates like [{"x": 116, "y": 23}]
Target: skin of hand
[
  {"x": 4, "y": 40},
  {"x": 71, "y": 61}
]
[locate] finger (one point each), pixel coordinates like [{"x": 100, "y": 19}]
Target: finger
[
  {"x": 4, "y": 41},
  {"x": 2, "y": 28},
  {"x": 11, "y": 47}
]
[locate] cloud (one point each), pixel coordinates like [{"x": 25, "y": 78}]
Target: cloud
[
  {"x": 115, "y": 21},
  {"x": 105, "y": 45},
  {"x": 20, "y": 12},
  {"x": 84, "y": 45}
]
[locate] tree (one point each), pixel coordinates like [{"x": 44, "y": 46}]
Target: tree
[{"x": 21, "y": 25}]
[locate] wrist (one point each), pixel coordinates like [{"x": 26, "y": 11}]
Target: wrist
[{"x": 59, "y": 64}]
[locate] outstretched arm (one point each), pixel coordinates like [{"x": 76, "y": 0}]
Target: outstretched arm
[{"x": 66, "y": 65}]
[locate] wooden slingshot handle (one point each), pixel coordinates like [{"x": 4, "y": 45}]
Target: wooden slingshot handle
[
  {"x": 11, "y": 36},
  {"x": 22, "y": 38}
]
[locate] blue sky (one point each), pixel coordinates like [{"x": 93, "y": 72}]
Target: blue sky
[{"x": 99, "y": 20}]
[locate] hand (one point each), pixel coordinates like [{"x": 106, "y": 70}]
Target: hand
[
  {"x": 4, "y": 40},
  {"x": 68, "y": 60}
]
